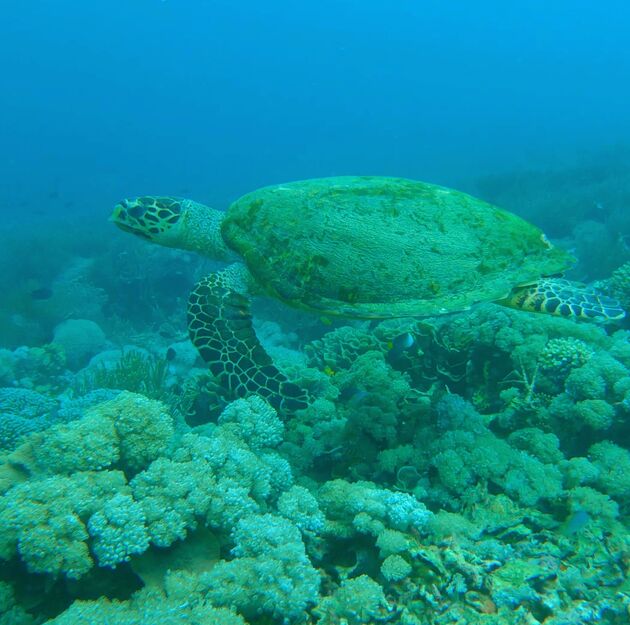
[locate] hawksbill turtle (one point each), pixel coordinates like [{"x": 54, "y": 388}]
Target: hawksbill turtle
[{"x": 359, "y": 247}]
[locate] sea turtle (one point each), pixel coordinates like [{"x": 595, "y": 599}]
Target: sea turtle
[{"x": 363, "y": 247}]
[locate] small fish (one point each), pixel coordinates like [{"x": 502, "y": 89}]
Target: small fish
[
  {"x": 171, "y": 354},
  {"x": 407, "y": 477},
  {"x": 401, "y": 344},
  {"x": 329, "y": 371},
  {"x": 576, "y": 522},
  {"x": 42, "y": 293},
  {"x": 353, "y": 394}
]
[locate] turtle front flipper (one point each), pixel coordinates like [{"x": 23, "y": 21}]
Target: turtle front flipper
[
  {"x": 220, "y": 327},
  {"x": 560, "y": 297}
]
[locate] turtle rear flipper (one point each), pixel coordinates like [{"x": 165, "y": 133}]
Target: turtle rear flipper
[
  {"x": 220, "y": 327},
  {"x": 560, "y": 297}
]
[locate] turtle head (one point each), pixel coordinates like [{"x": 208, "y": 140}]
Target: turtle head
[
  {"x": 174, "y": 222},
  {"x": 149, "y": 217}
]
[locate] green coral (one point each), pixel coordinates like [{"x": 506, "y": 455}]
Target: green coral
[
  {"x": 144, "y": 428},
  {"x": 597, "y": 505},
  {"x": 118, "y": 530},
  {"x": 357, "y": 601},
  {"x": 364, "y": 508},
  {"x": 595, "y": 413},
  {"x": 464, "y": 459},
  {"x": 381, "y": 399},
  {"x": 542, "y": 445},
  {"x": 392, "y": 541},
  {"x": 130, "y": 429},
  {"x": 147, "y": 606},
  {"x": 395, "y": 568},
  {"x": 61, "y": 506},
  {"x": 217, "y": 479},
  {"x": 45, "y": 520},
  {"x": 256, "y": 421},
  {"x": 88, "y": 444},
  {"x": 619, "y": 285},
  {"x": 563, "y": 354},
  {"x": 585, "y": 383},
  {"x": 173, "y": 496},
  {"x": 339, "y": 348},
  {"x": 300, "y": 507},
  {"x": 267, "y": 548},
  {"x": 613, "y": 463}
]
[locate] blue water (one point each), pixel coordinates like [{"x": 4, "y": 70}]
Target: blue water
[{"x": 214, "y": 98}]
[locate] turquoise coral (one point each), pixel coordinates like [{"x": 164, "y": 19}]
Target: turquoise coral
[
  {"x": 267, "y": 548},
  {"x": 395, "y": 568},
  {"x": 147, "y": 606},
  {"x": 256, "y": 421},
  {"x": 357, "y": 601},
  {"x": 45, "y": 521},
  {"x": 118, "y": 530},
  {"x": 443, "y": 496}
]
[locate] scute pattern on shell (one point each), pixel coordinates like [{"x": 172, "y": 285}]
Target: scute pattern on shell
[{"x": 384, "y": 247}]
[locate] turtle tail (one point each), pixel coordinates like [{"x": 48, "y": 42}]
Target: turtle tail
[
  {"x": 220, "y": 327},
  {"x": 560, "y": 297}
]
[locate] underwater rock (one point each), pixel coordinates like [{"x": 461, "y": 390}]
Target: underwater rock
[{"x": 81, "y": 339}]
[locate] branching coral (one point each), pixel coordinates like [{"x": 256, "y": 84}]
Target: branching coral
[
  {"x": 143, "y": 426},
  {"x": 68, "y": 497},
  {"x": 300, "y": 507},
  {"x": 613, "y": 463},
  {"x": 216, "y": 478}
]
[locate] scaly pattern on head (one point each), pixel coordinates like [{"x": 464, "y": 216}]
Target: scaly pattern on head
[{"x": 147, "y": 216}]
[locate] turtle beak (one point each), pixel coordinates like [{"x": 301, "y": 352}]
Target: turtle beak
[
  {"x": 123, "y": 217},
  {"x": 116, "y": 213}
]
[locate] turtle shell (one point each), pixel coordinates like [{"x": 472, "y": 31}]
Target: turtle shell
[{"x": 384, "y": 247}]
